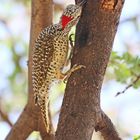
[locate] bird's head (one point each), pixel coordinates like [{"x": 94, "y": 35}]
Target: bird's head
[{"x": 71, "y": 15}]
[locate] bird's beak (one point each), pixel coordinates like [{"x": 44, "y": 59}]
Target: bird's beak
[{"x": 81, "y": 3}]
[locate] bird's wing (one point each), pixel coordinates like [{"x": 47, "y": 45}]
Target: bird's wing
[{"x": 41, "y": 58}]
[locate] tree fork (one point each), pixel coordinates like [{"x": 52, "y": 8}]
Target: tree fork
[{"x": 81, "y": 113}]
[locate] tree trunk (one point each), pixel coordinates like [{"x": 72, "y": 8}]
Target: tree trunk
[
  {"x": 81, "y": 112},
  {"x": 31, "y": 119}
]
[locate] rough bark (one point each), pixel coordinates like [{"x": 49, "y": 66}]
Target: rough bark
[
  {"x": 30, "y": 120},
  {"x": 81, "y": 113}
]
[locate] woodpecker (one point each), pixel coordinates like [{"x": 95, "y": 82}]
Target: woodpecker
[{"x": 50, "y": 56}]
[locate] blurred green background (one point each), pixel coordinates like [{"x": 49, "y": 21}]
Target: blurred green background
[{"x": 123, "y": 68}]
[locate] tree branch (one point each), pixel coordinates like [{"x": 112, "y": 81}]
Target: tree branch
[
  {"x": 5, "y": 117},
  {"x": 23, "y": 127},
  {"x": 105, "y": 126},
  {"x": 41, "y": 18},
  {"x": 129, "y": 86}
]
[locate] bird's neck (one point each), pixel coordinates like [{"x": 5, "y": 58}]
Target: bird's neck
[{"x": 63, "y": 31}]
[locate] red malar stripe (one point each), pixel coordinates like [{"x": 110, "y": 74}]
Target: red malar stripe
[{"x": 65, "y": 20}]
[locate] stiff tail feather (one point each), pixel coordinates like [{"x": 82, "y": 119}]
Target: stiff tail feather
[
  {"x": 43, "y": 103},
  {"x": 44, "y": 106}
]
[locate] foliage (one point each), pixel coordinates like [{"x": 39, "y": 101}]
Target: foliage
[
  {"x": 137, "y": 137},
  {"x": 126, "y": 68}
]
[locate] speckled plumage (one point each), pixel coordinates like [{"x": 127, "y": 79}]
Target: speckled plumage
[{"x": 49, "y": 57}]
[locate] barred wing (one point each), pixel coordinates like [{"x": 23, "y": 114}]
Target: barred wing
[{"x": 41, "y": 58}]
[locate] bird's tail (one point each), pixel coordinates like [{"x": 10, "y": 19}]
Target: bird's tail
[
  {"x": 45, "y": 113},
  {"x": 44, "y": 107}
]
